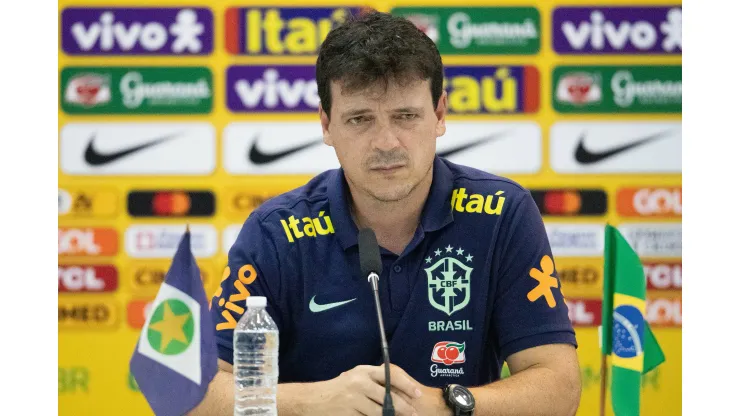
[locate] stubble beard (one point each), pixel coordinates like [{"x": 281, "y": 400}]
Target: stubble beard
[{"x": 401, "y": 192}]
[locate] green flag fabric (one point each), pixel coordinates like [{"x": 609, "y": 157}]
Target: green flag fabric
[
  {"x": 626, "y": 336},
  {"x": 653, "y": 354}
]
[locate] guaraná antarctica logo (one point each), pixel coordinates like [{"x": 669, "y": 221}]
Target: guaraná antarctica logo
[{"x": 448, "y": 353}]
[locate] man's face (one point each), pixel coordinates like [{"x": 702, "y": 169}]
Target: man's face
[{"x": 385, "y": 139}]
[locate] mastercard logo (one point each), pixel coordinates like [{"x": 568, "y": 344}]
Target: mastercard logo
[
  {"x": 570, "y": 202},
  {"x": 171, "y": 203},
  {"x": 563, "y": 202}
]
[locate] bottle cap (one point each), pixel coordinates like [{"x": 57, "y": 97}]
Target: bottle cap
[{"x": 256, "y": 301}]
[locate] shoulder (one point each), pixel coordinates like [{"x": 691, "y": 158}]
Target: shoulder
[
  {"x": 476, "y": 191},
  {"x": 314, "y": 193},
  {"x": 275, "y": 215}
]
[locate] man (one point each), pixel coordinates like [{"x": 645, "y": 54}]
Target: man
[{"x": 468, "y": 279}]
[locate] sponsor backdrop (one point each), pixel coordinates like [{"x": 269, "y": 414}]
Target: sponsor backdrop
[{"x": 196, "y": 112}]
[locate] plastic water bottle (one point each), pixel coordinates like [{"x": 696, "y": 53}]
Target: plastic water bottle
[{"x": 256, "y": 343}]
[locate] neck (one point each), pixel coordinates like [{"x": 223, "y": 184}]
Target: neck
[{"x": 394, "y": 222}]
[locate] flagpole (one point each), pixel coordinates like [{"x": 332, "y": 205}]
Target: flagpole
[{"x": 602, "y": 401}]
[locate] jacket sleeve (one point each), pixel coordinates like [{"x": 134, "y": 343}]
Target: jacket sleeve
[
  {"x": 528, "y": 308},
  {"x": 252, "y": 270}
]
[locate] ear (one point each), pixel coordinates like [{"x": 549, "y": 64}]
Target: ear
[
  {"x": 324, "y": 117},
  {"x": 441, "y": 113}
]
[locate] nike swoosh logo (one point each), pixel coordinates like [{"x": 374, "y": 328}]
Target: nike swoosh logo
[
  {"x": 95, "y": 158},
  {"x": 469, "y": 145},
  {"x": 315, "y": 307},
  {"x": 258, "y": 157},
  {"x": 587, "y": 157}
]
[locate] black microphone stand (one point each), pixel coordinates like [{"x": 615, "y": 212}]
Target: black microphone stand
[{"x": 388, "y": 409}]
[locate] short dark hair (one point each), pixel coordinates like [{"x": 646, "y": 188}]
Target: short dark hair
[{"x": 376, "y": 47}]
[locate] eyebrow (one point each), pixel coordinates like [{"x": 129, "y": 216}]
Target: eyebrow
[
  {"x": 362, "y": 111},
  {"x": 408, "y": 110},
  {"x": 355, "y": 112}
]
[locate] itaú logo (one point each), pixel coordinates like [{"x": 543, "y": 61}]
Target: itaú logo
[
  {"x": 308, "y": 227},
  {"x": 477, "y": 203}
]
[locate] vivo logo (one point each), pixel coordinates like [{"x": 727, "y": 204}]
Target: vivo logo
[
  {"x": 617, "y": 30},
  {"x": 267, "y": 88},
  {"x": 137, "y": 31}
]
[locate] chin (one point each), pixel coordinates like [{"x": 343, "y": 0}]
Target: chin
[{"x": 391, "y": 193}]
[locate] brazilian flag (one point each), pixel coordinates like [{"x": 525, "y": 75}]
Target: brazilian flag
[{"x": 626, "y": 336}]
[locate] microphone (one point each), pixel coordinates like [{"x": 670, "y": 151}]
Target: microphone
[{"x": 371, "y": 266}]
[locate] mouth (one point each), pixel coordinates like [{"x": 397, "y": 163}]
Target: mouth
[{"x": 388, "y": 169}]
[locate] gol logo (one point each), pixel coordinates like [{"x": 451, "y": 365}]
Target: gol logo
[
  {"x": 650, "y": 202},
  {"x": 665, "y": 312},
  {"x": 448, "y": 353},
  {"x": 87, "y": 278},
  {"x": 86, "y": 315},
  {"x": 584, "y": 312},
  {"x": 88, "y": 242},
  {"x": 663, "y": 276}
]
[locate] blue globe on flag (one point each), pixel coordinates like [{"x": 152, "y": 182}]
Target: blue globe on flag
[{"x": 628, "y": 329}]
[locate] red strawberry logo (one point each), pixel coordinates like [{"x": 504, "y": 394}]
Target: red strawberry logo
[
  {"x": 452, "y": 353},
  {"x": 88, "y": 92},
  {"x": 579, "y": 87},
  {"x": 449, "y": 353},
  {"x": 579, "y": 92}
]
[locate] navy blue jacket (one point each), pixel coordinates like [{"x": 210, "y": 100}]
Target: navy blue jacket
[{"x": 476, "y": 283}]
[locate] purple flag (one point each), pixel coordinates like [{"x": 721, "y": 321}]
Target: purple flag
[{"x": 176, "y": 357}]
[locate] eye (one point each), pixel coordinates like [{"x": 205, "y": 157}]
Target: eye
[
  {"x": 357, "y": 120},
  {"x": 407, "y": 116}
]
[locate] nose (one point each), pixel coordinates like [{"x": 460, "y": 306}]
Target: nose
[{"x": 385, "y": 138}]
